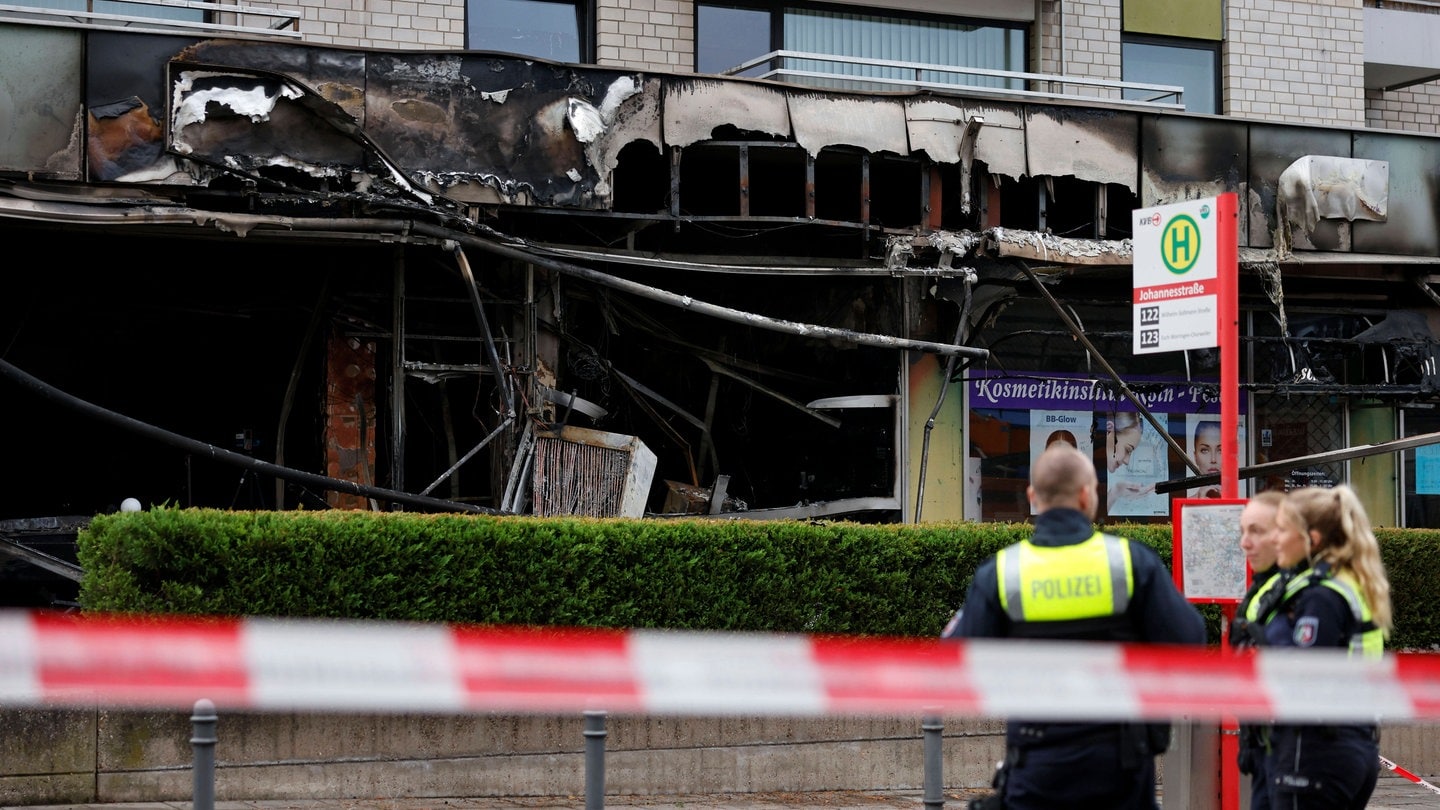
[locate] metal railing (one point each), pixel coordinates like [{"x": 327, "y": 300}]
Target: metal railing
[
  {"x": 203, "y": 738},
  {"x": 218, "y": 18},
  {"x": 789, "y": 66}
]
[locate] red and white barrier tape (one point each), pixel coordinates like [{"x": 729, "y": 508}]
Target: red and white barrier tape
[
  {"x": 1408, "y": 775},
  {"x": 266, "y": 664}
]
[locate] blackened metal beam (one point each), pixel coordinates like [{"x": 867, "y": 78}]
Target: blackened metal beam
[
  {"x": 397, "y": 371},
  {"x": 1288, "y": 464},
  {"x": 1079, "y": 334},
  {"x": 55, "y": 395},
  {"x": 720, "y": 369},
  {"x": 12, "y": 548},
  {"x": 686, "y": 302},
  {"x": 745, "y": 181},
  {"x": 502, "y": 380}
]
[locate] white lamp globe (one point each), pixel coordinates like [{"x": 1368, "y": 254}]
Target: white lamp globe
[{"x": 130, "y": 505}]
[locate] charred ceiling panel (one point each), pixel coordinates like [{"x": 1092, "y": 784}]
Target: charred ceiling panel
[
  {"x": 1000, "y": 144},
  {"x": 337, "y": 76},
  {"x": 125, "y": 96},
  {"x": 1272, "y": 149},
  {"x": 1185, "y": 158},
  {"x": 1414, "y": 195},
  {"x": 259, "y": 123},
  {"x": 40, "y": 101},
  {"x": 694, "y": 108},
  {"x": 630, "y": 112},
  {"x": 938, "y": 127},
  {"x": 875, "y": 124},
  {"x": 1099, "y": 146},
  {"x": 486, "y": 129}
]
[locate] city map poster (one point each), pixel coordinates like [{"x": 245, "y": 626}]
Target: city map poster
[{"x": 1208, "y": 565}]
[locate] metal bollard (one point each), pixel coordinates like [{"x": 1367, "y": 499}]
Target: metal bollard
[
  {"x": 932, "y": 728},
  {"x": 202, "y": 742},
  {"x": 594, "y": 760}
]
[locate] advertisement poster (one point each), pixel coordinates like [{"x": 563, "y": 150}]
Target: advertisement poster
[
  {"x": 1203, "y": 443},
  {"x": 1013, "y": 417},
  {"x": 1135, "y": 460},
  {"x": 1063, "y": 427}
]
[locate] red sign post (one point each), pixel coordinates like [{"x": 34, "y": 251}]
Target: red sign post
[{"x": 1186, "y": 279}]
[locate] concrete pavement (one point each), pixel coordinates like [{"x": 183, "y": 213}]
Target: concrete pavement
[{"x": 1392, "y": 793}]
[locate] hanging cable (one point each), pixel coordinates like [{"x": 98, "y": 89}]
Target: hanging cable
[{"x": 210, "y": 451}]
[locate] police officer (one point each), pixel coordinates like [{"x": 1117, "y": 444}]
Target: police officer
[
  {"x": 1338, "y": 596},
  {"x": 1069, "y": 581},
  {"x": 1257, "y": 542}
]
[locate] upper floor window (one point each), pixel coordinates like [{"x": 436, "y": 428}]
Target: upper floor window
[
  {"x": 728, "y": 35},
  {"x": 1177, "y": 44},
  {"x": 545, "y": 29},
  {"x": 137, "y": 8},
  {"x": 1189, "y": 63}
]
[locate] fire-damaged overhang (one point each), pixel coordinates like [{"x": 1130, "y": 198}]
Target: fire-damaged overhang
[
  {"x": 838, "y": 223},
  {"x": 488, "y": 137}
]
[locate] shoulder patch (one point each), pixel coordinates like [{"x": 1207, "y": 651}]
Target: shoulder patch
[{"x": 1306, "y": 630}]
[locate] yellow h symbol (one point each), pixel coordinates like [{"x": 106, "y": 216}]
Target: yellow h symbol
[{"x": 1180, "y": 244}]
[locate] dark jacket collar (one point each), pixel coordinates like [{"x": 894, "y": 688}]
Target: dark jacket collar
[{"x": 1062, "y": 527}]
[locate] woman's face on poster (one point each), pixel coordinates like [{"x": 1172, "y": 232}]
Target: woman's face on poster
[
  {"x": 1207, "y": 448},
  {"x": 1120, "y": 445}
]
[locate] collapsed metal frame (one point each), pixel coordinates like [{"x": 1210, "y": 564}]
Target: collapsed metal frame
[{"x": 454, "y": 243}]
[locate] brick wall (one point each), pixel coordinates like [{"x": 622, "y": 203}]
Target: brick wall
[
  {"x": 1292, "y": 61},
  {"x": 1283, "y": 60},
  {"x": 1296, "y": 62},
  {"x": 646, "y": 34},
  {"x": 397, "y": 24},
  {"x": 640, "y": 34},
  {"x": 1092, "y": 39},
  {"x": 1414, "y": 109},
  {"x": 1092, "y": 42}
]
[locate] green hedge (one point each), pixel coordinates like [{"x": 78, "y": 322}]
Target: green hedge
[{"x": 769, "y": 576}]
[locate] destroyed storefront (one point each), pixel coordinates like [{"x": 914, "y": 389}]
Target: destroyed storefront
[{"x": 402, "y": 277}]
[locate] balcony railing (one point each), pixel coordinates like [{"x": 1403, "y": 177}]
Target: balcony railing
[
  {"x": 163, "y": 16},
  {"x": 855, "y": 73}
]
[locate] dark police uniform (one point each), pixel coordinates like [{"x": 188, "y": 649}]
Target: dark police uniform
[
  {"x": 1324, "y": 766},
  {"x": 1266, "y": 589},
  {"x": 1071, "y": 582}
]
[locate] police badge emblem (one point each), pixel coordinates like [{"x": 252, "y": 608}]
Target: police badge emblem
[{"x": 1306, "y": 630}]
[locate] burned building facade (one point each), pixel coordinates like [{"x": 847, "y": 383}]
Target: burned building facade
[{"x": 249, "y": 270}]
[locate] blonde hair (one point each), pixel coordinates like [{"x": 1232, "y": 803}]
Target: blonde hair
[{"x": 1347, "y": 542}]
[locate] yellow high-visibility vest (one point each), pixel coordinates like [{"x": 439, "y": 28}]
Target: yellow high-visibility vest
[
  {"x": 1087, "y": 580},
  {"x": 1252, "y": 608},
  {"x": 1368, "y": 640}
]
